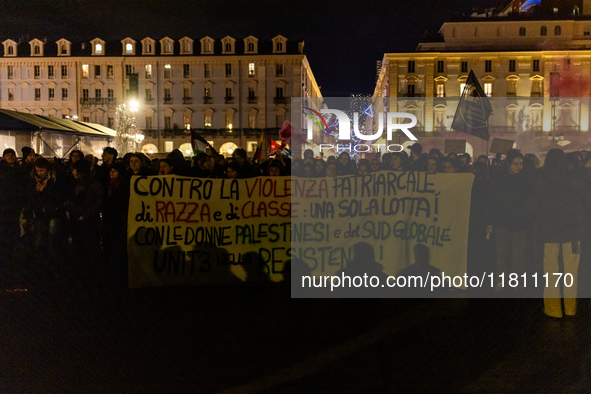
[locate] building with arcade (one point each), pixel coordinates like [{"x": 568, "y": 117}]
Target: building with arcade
[
  {"x": 532, "y": 58},
  {"x": 230, "y": 90}
]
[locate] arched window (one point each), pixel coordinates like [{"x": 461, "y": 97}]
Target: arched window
[
  {"x": 128, "y": 48},
  {"x": 543, "y": 31},
  {"x": 207, "y": 47},
  {"x": 279, "y": 46},
  {"x": 37, "y": 50},
  {"x": 228, "y": 47},
  {"x": 228, "y": 148},
  {"x": 557, "y": 30},
  {"x": 11, "y": 50},
  {"x": 167, "y": 47},
  {"x": 149, "y": 48},
  {"x": 251, "y": 47},
  {"x": 187, "y": 46},
  {"x": 64, "y": 50},
  {"x": 98, "y": 48}
]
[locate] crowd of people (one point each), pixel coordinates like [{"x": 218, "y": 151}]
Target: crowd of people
[{"x": 525, "y": 217}]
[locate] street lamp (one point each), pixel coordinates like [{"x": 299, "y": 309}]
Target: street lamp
[{"x": 133, "y": 105}]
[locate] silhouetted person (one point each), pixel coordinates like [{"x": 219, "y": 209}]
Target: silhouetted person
[{"x": 422, "y": 268}]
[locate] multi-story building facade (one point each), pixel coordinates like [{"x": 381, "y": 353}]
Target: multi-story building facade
[
  {"x": 536, "y": 68},
  {"x": 230, "y": 91}
]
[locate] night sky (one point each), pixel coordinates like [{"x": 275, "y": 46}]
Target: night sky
[{"x": 343, "y": 39}]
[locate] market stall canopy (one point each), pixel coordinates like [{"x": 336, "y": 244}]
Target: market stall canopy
[
  {"x": 20, "y": 121},
  {"x": 99, "y": 127}
]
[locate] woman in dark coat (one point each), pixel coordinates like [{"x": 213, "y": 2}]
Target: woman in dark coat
[{"x": 512, "y": 219}]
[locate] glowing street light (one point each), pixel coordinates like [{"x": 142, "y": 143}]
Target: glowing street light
[{"x": 133, "y": 105}]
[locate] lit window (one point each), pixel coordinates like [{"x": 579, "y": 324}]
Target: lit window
[
  {"x": 98, "y": 49},
  {"x": 128, "y": 48},
  {"x": 440, "y": 90},
  {"x": 462, "y": 86},
  {"x": 251, "y": 69},
  {"x": 85, "y": 71},
  {"x": 167, "y": 70},
  {"x": 207, "y": 120},
  {"x": 148, "y": 71},
  {"x": 488, "y": 89}
]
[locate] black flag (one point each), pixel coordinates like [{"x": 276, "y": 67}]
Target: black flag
[
  {"x": 473, "y": 110},
  {"x": 200, "y": 144}
]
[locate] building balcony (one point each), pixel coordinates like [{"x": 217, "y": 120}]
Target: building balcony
[
  {"x": 167, "y": 100},
  {"x": 252, "y": 100},
  {"x": 279, "y": 100},
  {"x": 207, "y": 100},
  {"x": 149, "y": 101},
  {"x": 187, "y": 100},
  {"x": 98, "y": 101},
  {"x": 228, "y": 99}
]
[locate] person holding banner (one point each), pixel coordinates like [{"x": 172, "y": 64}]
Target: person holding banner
[
  {"x": 398, "y": 161},
  {"x": 137, "y": 165},
  {"x": 246, "y": 170}
]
